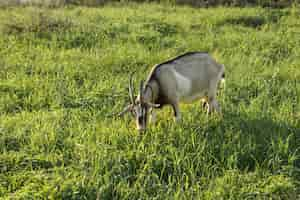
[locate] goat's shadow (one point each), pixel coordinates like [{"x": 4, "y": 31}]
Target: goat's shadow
[{"x": 257, "y": 139}]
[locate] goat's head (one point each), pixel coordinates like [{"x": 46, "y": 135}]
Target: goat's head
[{"x": 139, "y": 106}]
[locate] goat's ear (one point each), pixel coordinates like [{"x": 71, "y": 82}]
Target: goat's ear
[
  {"x": 131, "y": 90},
  {"x": 153, "y": 105},
  {"x": 126, "y": 109}
]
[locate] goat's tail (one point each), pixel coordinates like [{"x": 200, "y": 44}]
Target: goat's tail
[{"x": 223, "y": 77}]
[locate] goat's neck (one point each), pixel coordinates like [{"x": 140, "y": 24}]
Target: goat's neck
[{"x": 151, "y": 91}]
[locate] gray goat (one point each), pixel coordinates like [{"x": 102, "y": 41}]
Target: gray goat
[{"x": 186, "y": 78}]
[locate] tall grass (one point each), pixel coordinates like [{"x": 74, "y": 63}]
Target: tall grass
[{"x": 64, "y": 71}]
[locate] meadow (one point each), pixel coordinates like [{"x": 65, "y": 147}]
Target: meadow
[{"x": 64, "y": 71}]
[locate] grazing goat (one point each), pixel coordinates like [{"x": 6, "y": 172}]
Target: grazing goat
[{"x": 186, "y": 78}]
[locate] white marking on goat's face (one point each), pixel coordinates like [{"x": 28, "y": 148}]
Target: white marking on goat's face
[{"x": 141, "y": 115}]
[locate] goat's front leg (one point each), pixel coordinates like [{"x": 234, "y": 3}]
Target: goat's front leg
[
  {"x": 176, "y": 110},
  {"x": 152, "y": 116}
]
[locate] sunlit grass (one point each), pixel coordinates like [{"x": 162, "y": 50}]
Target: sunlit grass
[{"x": 64, "y": 71}]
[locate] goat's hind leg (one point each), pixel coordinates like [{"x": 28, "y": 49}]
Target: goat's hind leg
[
  {"x": 212, "y": 101},
  {"x": 176, "y": 110},
  {"x": 213, "y": 105},
  {"x": 204, "y": 102}
]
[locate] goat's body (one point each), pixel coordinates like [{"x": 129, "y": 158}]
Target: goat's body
[{"x": 186, "y": 78}]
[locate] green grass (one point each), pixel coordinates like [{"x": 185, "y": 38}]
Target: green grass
[{"x": 64, "y": 71}]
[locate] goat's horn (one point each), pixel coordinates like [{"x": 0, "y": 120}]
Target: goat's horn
[
  {"x": 141, "y": 90},
  {"x": 131, "y": 89}
]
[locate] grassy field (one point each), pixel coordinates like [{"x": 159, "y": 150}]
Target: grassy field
[{"x": 64, "y": 71}]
